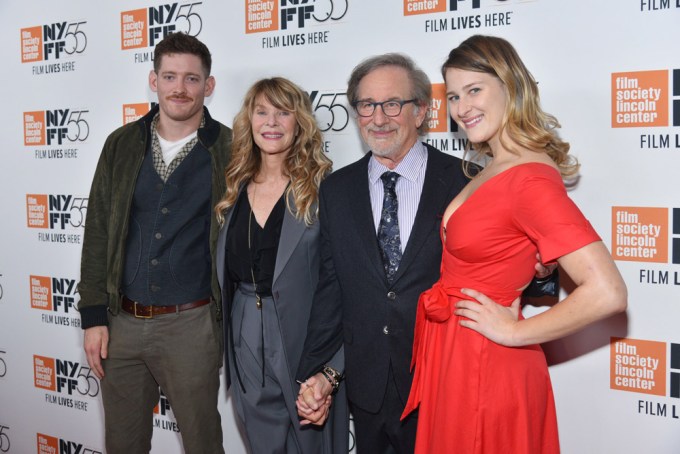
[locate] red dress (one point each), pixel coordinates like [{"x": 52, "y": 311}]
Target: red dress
[{"x": 476, "y": 396}]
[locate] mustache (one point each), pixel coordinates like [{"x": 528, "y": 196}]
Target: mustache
[
  {"x": 180, "y": 97},
  {"x": 386, "y": 128}
]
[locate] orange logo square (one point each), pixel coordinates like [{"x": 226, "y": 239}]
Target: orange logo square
[
  {"x": 438, "y": 110},
  {"x": 262, "y": 16},
  {"x": 43, "y": 372},
  {"x": 133, "y": 112},
  {"x": 133, "y": 29},
  {"x": 31, "y": 44},
  {"x": 640, "y": 99},
  {"x": 47, "y": 444},
  {"x": 412, "y": 7},
  {"x": 640, "y": 234},
  {"x": 638, "y": 366},
  {"x": 36, "y": 210},
  {"x": 34, "y": 128},
  {"x": 41, "y": 292}
]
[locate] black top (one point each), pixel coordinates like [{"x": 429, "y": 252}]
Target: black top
[{"x": 264, "y": 245}]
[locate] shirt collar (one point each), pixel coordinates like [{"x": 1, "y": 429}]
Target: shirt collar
[{"x": 156, "y": 118}]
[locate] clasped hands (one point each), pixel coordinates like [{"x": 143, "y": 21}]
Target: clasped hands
[
  {"x": 484, "y": 315},
  {"x": 314, "y": 400}
]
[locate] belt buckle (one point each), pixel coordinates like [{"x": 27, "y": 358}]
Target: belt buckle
[{"x": 142, "y": 316}]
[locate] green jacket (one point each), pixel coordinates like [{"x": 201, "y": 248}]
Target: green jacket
[{"x": 108, "y": 212}]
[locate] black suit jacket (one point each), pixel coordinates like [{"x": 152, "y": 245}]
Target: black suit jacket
[{"x": 354, "y": 302}]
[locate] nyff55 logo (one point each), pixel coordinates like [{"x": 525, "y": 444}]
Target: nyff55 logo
[
  {"x": 145, "y": 27},
  {"x": 55, "y": 211},
  {"x": 163, "y": 416},
  {"x": 54, "y": 127},
  {"x": 163, "y": 406},
  {"x": 271, "y": 15},
  {"x": 412, "y": 7},
  {"x": 53, "y": 294},
  {"x": 66, "y": 377},
  {"x": 52, "y": 41},
  {"x": 54, "y": 445},
  {"x": 330, "y": 109}
]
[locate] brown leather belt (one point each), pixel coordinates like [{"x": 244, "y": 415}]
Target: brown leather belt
[{"x": 139, "y": 311}]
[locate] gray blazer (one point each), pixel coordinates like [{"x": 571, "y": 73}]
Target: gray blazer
[{"x": 296, "y": 274}]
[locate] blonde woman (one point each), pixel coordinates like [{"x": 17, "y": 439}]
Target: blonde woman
[
  {"x": 268, "y": 265},
  {"x": 481, "y": 379}
]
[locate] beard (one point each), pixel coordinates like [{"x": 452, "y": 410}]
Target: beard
[{"x": 384, "y": 148}]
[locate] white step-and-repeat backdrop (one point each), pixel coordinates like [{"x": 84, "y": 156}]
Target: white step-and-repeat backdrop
[{"x": 73, "y": 71}]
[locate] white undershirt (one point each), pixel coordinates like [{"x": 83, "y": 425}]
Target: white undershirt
[{"x": 170, "y": 149}]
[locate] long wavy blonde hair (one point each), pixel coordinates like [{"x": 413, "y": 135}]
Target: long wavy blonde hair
[
  {"x": 525, "y": 123},
  {"x": 306, "y": 164}
]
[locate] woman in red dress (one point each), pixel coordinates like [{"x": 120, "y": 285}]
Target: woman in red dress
[{"x": 481, "y": 379}]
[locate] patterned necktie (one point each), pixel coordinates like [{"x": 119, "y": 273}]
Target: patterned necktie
[{"x": 388, "y": 230}]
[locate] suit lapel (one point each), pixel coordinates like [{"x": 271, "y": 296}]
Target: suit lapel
[
  {"x": 435, "y": 195},
  {"x": 291, "y": 233},
  {"x": 221, "y": 246},
  {"x": 221, "y": 240},
  {"x": 362, "y": 214}
]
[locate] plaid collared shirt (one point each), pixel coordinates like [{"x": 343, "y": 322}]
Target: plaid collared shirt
[{"x": 164, "y": 170}]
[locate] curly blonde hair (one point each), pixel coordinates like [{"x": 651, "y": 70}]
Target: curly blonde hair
[
  {"x": 306, "y": 164},
  {"x": 525, "y": 123}
]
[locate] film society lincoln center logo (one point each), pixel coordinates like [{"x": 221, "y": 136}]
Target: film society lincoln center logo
[
  {"x": 646, "y": 367},
  {"x": 647, "y": 99},
  {"x": 644, "y": 234},
  {"x": 135, "y": 111},
  {"x": 439, "y": 113},
  {"x": 443, "y": 132},
  {"x": 640, "y": 234}
]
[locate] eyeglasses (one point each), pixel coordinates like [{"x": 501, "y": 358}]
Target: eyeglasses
[{"x": 391, "y": 108}]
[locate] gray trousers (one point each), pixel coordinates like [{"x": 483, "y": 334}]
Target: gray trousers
[
  {"x": 179, "y": 352},
  {"x": 266, "y": 412}
]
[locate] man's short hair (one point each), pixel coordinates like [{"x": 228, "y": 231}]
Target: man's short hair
[{"x": 181, "y": 43}]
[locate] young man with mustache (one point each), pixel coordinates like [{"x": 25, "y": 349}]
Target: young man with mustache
[{"x": 150, "y": 301}]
